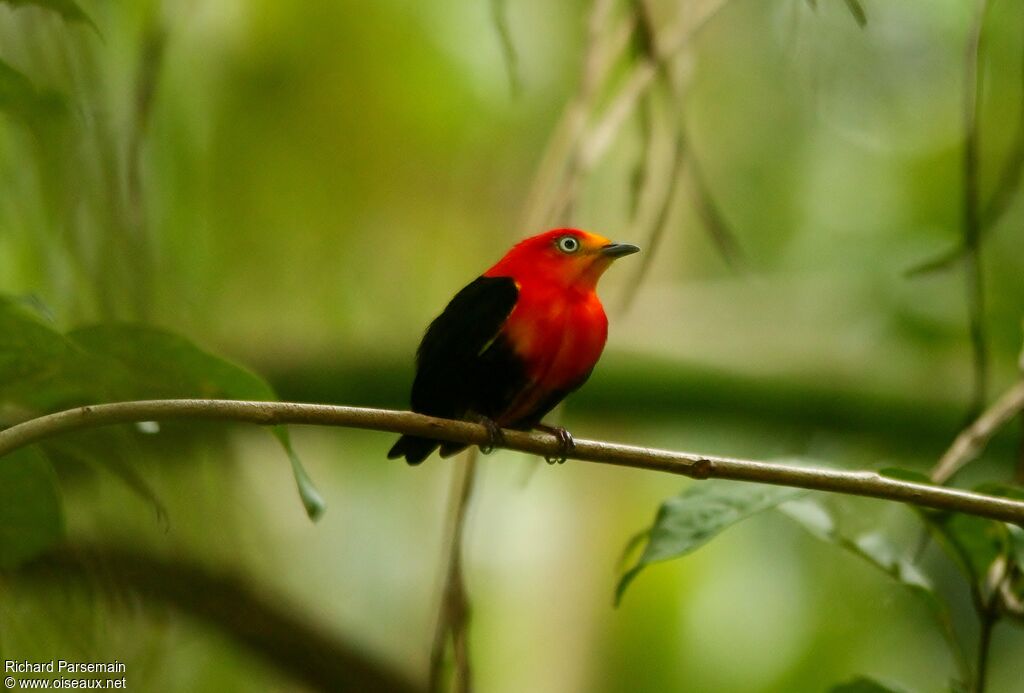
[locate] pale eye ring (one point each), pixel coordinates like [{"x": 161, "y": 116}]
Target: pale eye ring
[{"x": 568, "y": 244}]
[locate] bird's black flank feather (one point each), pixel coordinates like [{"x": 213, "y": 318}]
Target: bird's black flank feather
[{"x": 464, "y": 364}]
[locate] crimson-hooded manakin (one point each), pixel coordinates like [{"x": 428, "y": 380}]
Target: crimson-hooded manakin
[{"x": 516, "y": 341}]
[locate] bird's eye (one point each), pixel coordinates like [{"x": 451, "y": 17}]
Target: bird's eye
[{"x": 568, "y": 244}]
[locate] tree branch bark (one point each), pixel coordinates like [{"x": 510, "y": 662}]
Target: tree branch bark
[{"x": 858, "y": 483}]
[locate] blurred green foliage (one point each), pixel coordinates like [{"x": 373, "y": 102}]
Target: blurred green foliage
[{"x": 301, "y": 186}]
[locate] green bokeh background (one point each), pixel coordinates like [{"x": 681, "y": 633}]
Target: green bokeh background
[{"x": 317, "y": 179}]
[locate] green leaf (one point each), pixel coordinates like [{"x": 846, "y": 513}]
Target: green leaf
[
  {"x": 43, "y": 370},
  {"x": 1015, "y": 534},
  {"x": 863, "y": 684},
  {"x": 154, "y": 364},
  {"x": 694, "y": 517},
  {"x": 39, "y": 368},
  {"x": 146, "y": 362},
  {"x": 876, "y": 550},
  {"x": 31, "y": 517},
  {"x": 974, "y": 543},
  {"x": 815, "y": 519},
  {"x": 113, "y": 451}
]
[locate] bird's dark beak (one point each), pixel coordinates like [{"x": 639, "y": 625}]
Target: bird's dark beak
[{"x": 616, "y": 250}]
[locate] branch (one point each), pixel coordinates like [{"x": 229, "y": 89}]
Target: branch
[
  {"x": 973, "y": 439},
  {"x": 857, "y": 483},
  {"x": 974, "y": 282},
  {"x": 453, "y": 613}
]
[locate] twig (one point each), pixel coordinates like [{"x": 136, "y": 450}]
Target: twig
[
  {"x": 657, "y": 231},
  {"x": 987, "y": 624},
  {"x": 154, "y": 48},
  {"x": 597, "y": 60},
  {"x": 588, "y": 147},
  {"x": 270, "y": 628},
  {"x": 453, "y": 613},
  {"x": 974, "y": 282},
  {"x": 642, "y": 175},
  {"x": 1006, "y": 188},
  {"x": 499, "y": 14},
  {"x": 987, "y": 604},
  {"x": 858, "y": 483},
  {"x": 711, "y": 214},
  {"x": 708, "y": 210},
  {"x": 973, "y": 439},
  {"x": 1019, "y": 474}
]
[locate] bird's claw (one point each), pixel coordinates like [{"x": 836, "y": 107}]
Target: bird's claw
[
  {"x": 495, "y": 437},
  {"x": 566, "y": 445}
]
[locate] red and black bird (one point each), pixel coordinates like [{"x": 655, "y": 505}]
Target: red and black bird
[{"x": 516, "y": 341}]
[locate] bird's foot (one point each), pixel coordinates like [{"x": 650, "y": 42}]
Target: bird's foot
[
  {"x": 495, "y": 437},
  {"x": 565, "y": 442}
]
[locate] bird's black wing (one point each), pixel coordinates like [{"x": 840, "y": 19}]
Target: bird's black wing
[{"x": 462, "y": 363}]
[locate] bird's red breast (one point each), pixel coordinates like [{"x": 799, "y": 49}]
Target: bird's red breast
[{"x": 558, "y": 326}]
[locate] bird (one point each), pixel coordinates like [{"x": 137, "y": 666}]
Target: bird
[{"x": 515, "y": 342}]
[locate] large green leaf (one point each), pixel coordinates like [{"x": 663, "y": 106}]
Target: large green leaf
[
  {"x": 43, "y": 370},
  {"x": 146, "y": 362},
  {"x": 39, "y": 368},
  {"x": 694, "y": 517},
  {"x": 112, "y": 450},
  {"x": 973, "y": 542},
  {"x": 878, "y": 552},
  {"x": 31, "y": 517},
  {"x": 812, "y": 516},
  {"x": 154, "y": 363}
]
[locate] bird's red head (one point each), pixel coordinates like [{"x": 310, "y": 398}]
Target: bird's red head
[{"x": 564, "y": 257}]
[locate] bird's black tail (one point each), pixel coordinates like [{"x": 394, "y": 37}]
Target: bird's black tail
[{"x": 413, "y": 449}]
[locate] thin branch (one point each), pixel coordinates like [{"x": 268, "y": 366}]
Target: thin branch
[
  {"x": 711, "y": 214},
  {"x": 988, "y": 623},
  {"x": 987, "y": 604},
  {"x": 272, "y": 629},
  {"x": 858, "y": 483},
  {"x": 657, "y": 231},
  {"x": 499, "y": 15},
  {"x": 973, "y": 439},
  {"x": 137, "y": 237},
  {"x": 453, "y": 613},
  {"x": 642, "y": 177},
  {"x": 1005, "y": 190},
  {"x": 974, "y": 281},
  {"x": 589, "y": 146},
  {"x": 1019, "y": 474},
  {"x": 597, "y": 61}
]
